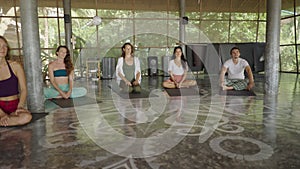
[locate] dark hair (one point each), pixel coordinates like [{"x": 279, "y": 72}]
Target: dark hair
[
  {"x": 123, "y": 47},
  {"x": 183, "y": 60},
  {"x": 234, "y": 48},
  {"x": 7, "y": 57},
  {"x": 67, "y": 60}
]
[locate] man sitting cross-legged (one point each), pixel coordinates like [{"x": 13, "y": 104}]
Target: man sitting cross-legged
[{"x": 235, "y": 67}]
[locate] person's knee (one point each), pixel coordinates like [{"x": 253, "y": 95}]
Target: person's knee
[
  {"x": 193, "y": 83},
  {"x": 24, "y": 118},
  {"x": 137, "y": 89},
  {"x": 168, "y": 85},
  {"x": 83, "y": 91}
]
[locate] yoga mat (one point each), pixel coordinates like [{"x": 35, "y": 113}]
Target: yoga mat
[
  {"x": 37, "y": 116},
  {"x": 183, "y": 92},
  {"x": 237, "y": 92},
  {"x": 125, "y": 95},
  {"x": 65, "y": 103},
  {"x": 143, "y": 94}
]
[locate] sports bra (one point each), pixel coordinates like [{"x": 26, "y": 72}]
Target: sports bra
[
  {"x": 9, "y": 87},
  {"x": 60, "y": 73}
]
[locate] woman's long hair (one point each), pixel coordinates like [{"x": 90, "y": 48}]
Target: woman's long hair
[
  {"x": 183, "y": 60},
  {"x": 123, "y": 47},
  {"x": 67, "y": 60},
  {"x": 7, "y": 57}
]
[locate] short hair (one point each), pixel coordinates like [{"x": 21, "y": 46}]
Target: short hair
[{"x": 234, "y": 49}]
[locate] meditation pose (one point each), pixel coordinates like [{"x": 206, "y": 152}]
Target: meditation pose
[
  {"x": 235, "y": 68},
  {"x": 178, "y": 71},
  {"x": 128, "y": 70},
  {"x": 61, "y": 74},
  {"x": 13, "y": 90}
]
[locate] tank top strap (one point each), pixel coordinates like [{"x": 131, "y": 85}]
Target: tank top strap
[{"x": 10, "y": 69}]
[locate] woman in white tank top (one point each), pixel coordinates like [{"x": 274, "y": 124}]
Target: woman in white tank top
[{"x": 178, "y": 71}]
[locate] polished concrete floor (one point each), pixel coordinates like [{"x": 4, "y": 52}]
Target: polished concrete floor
[{"x": 162, "y": 132}]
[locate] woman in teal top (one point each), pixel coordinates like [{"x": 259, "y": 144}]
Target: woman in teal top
[
  {"x": 61, "y": 74},
  {"x": 128, "y": 70}
]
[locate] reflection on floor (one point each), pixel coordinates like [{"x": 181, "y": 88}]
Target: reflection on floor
[{"x": 194, "y": 131}]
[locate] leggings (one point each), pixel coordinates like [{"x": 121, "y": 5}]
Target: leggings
[
  {"x": 177, "y": 78},
  {"x": 53, "y": 93}
]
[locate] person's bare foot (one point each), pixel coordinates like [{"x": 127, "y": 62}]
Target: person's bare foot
[{"x": 227, "y": 87}]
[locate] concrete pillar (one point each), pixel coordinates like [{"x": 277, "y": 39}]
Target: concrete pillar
[
  {"x": 68, "y": 25},
  {"x": 269, "y": 132},
  {"x": 272, "y": 47},
  {"x": 32, "y": 55},
  {"x": 182, "y": 25}
]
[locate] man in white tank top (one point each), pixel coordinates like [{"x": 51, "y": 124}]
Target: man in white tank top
[{"x": 235, "y": 68}]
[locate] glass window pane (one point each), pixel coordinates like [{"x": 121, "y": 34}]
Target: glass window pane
[
  {"x": 287, "y": 13},
  {"x": 193, "y": 15},
  {"x": 261, "y": 36},
  {"x": 9, "y": 30},
  {"x": 297, "y": 7},
  {"x": 287, "y": 33},
  {"x": 243, "y": 31},
  {"x": 214, "y": 15},
  {"x": 75, "y": 12},
  {"x": 213, "y": 28},
  {"x": 16, "y": 55},
  {"x": 263, "y": 16},
  {"x": 151, "y": 40},
  {"x": 288, "y": 58},
  {"x": 172, "y": 42},
  {"x": 150, "y": 15},
  {"x": 61, "y": 32},
  {"x": 151, "y": 32},
  {"x": 298, "y": 51},
  {"x": 8, "y": 26},
  {"x": 83, "y": 27},
  {"x": 287, "y": 8},
  {"x": 110, "y": 34},
  {"x": 47, "y": 55},
  {"x": 48, "y": 32},
  {"x": 298, "y": 28},
  {"x": 244, "y": 16},
  {"x": 173, "y": 14},
  {"x": 47, "y": 12},
  {"x": 60, "y": 12},
  {"x": 103, "y": 13},
  {"x": 192, "y": 30}
]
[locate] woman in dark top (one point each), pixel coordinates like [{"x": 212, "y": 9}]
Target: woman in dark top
[{"x": 13, "y": 90}]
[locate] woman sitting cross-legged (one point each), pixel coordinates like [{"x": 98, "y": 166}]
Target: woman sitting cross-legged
[
  {"x": 61, "y": 74},
  {"x": 128, "y": 70},
  {"x": 178, "y": 71},
  {"x": 13, "y": 90}
]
